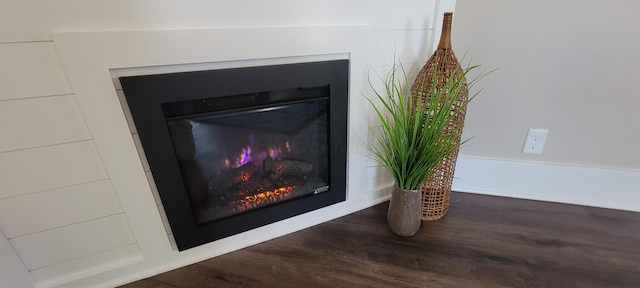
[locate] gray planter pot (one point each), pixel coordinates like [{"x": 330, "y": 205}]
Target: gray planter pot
[{"x": 404, "y": 212}]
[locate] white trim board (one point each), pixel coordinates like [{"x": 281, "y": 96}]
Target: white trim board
[{"x": 597, "y": 187}]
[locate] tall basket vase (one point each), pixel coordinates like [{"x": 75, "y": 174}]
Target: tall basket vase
[{"x": 436, "y": 190}]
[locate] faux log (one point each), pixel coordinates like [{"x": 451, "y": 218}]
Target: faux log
[
  {"x": 279, "y": 168},
  {"x": 231, "y": 178}
]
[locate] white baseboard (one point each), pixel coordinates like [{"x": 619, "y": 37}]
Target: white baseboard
[{"x": 597, "y": 187}]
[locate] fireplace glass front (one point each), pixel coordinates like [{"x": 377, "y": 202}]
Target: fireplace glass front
[{"x": 238, "y": 156}]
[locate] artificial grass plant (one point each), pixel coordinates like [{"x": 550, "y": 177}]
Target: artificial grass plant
[{"x": 414, "y": 139}]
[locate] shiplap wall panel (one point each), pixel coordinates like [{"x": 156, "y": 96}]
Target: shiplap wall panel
[
  {"x": 50, "y": 167},
  {"x": 91, "y": 264},
  {"x": 30, "y": 69},
  {"x": 12, "y": 270},
  {"x": 74, "y": 241},
  {"x": 40, "y": 121},
  {"x": 41, "y": 211}
]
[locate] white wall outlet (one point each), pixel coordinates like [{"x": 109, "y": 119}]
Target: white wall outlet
[{"x": 534, "y": 142}]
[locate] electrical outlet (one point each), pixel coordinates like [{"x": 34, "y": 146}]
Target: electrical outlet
[{"x": 534, "y": 142}]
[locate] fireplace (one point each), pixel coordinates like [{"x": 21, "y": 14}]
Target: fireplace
[{"x": 231, "y": 150}]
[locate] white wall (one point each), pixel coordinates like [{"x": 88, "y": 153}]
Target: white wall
[
  {"x": 62, "y": 220},
  {"x": 566, "y": 66}
]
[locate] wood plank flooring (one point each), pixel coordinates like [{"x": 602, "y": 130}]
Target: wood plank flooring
[{"x": 484, "y": 241}]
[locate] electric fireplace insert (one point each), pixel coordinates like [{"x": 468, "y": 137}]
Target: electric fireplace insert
[{"x": 234, "y": 149}]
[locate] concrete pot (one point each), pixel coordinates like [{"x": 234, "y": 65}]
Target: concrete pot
[{"x": 404, "y": 212}]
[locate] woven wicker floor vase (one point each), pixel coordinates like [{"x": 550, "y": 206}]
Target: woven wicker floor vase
[
  {"x": 443, "y": 63},
  {"x": 403, "y": 216}
]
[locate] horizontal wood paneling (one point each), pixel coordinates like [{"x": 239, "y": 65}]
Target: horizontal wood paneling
[
  {"x": 12, "y": 270},
  {"x": 30, "y": 70},
  {"x": 71, "y": 242},
  {"x": 54, "y": 208},
  {"x": 91, "y": 264},
  {"x": 40, "y": 121},
  {"x": 50, "y": 167}
]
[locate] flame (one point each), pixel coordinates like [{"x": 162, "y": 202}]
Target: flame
[
  {"x": 244, "y": 157},
  {"x": 248, "y": 155},
  {"x": 260, "y": 199}
]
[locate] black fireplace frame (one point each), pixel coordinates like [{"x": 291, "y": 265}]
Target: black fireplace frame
[{"x": 146, "y": 94}]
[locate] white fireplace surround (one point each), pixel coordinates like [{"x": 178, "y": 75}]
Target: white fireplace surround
[{"x": 92, "y": 60}]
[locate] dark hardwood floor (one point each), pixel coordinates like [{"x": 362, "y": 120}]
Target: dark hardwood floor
[{"x": 484, "y": 241}]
